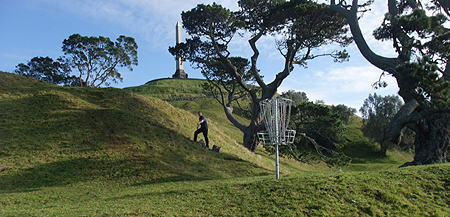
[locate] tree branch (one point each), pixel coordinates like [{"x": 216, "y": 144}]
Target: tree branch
[
  {"x": 254, "y": 59},
  {"x": 383, "y": 63},
  {"x": 401, "y": 119}
]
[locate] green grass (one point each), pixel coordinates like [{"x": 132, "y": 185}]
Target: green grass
[
  {"x": 365, "y": 153},
  {"x": 171, "y": 88},
  {"x": 112, "y": 152},
  {"x": 415, "y": 191},
  {"x": 54, "y": 136}
]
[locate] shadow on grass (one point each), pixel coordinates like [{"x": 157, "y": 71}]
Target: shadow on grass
[
  {"x": 63, "y": 173},
  {"x": 364, "y": 152},
  {"x": 221, "y": 166},
  {"x": 139, "y": 170}
]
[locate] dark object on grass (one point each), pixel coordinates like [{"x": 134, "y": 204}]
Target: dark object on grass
[{"x": 216, "y": 148}]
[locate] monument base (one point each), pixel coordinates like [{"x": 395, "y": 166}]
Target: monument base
[{"x": 180, "y": 74}]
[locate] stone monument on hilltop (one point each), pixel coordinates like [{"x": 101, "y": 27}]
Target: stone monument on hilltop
[{"x": 179, "y": 73}]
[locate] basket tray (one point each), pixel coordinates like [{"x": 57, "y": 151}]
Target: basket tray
[{"x": 265, "y": 139}]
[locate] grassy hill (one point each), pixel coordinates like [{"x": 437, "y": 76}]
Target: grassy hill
[
  {"x": 54, "y": 136},
  {"x": 363, "y": 151},
  {"x": 171, "y": 88},
  {"x": 113, "y": 152}
]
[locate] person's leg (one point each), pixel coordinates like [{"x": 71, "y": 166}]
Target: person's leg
[
  {"x": 205, "y": 134},
  {"x": 196, "y": 133}
]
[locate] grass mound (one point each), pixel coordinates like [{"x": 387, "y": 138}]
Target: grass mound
[
  {"x": 84, "y": 152},
  {"x": 56, "y": 136},
  {"x": 171, "y": 88}
]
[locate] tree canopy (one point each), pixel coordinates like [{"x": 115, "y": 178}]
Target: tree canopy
[
  {"x": 296, "y": 97},
  {"x": 377, "y": 112},
  {"x": 46, "y": 69},
  {"x": 97, "y": 58}
]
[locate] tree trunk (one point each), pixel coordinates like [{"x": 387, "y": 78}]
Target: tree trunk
[
  {"x": 251, "y": 138},
  {"x": 383, "y": 148},
  {"x": 250, "y": 132},
  {"x": 432, "y": 140}
]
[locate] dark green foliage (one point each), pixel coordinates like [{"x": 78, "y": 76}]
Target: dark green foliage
[
  {"x": 97, "y": 58},
  {"x": 257, "y": 15},
  {"x": 428, "y": 85},
  {"x": 309, "y": 26},
  {"x": 377, "y": 112},
  {"x": 296, "y": 97},
  {"x": 318, "y": 122},
  {"x": 345, "y": 112},
  {"x": 46, "y": 69},
  {"x": 421, "y": 77},
  {"x": 415, "y": 22},
  {"x": 200, "y": 20}
]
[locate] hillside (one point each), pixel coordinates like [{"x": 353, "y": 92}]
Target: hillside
[
  {"x": 171, "y": 88},
  {"x": 361, "y": 149},
  {"x": 111, "y": 152},
  {"x": 54, "y": 136}
]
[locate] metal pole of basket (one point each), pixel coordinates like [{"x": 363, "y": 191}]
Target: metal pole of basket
[
  {"x": 277, "y": 162},
  {"x": 277, "y": 133},
  {"x": 276, "y": 113}
]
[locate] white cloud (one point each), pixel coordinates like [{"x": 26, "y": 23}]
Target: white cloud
[
  {"x": 348, "y": 85},
  {"x": 319, "y": 74},
  {"x": 352, "y": 79},
  {"x": 154, "y": 20}
]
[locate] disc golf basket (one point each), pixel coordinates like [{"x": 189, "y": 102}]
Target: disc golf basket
[{"x": 276, "y": 113}]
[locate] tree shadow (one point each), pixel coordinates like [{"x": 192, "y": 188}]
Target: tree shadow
[
  {"x": 363, "y": 152},
  {"x": 144, "y": 169}
]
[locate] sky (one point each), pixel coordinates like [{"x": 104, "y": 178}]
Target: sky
[{"x": 32, "y": 28}]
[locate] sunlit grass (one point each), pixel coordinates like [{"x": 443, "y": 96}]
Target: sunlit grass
[
  {"x": 415, "y": 191},
  {"x": 105, "y": 152}
]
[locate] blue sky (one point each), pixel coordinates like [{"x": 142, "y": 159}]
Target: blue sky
[{"x": 30, "y": 28}]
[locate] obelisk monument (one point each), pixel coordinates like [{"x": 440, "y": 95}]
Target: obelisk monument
[{"x": 179, "y": 73}]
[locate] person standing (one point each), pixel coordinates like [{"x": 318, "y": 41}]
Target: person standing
[{"x": 203, "y": 124}]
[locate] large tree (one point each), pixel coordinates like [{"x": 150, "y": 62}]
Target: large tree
[
  {"x": 97, "y": 58},
  {"x": 302, "y": 26},
  {"x": 377, "y": 112},
  {"x": 419, "y": 36}
]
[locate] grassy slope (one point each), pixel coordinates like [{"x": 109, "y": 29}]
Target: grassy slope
[
  {"x": 363, "y": 151},
  {"x": 415, "y": 191},
  {"x": 53, "y": 136},
  {"x": 83, "y": 152},
  {"x": 222, "y": 128},
  {"x": 171, "y": 88}
]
